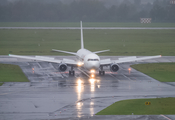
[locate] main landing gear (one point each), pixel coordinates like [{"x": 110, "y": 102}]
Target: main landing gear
[
  {"x": 101, "y": 72},
  {"x": 71, "y": 72}
]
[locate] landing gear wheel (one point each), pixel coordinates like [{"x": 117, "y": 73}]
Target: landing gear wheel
[
  {"x": 71, "y": 73},
  {"x": 101, "y": 72}
]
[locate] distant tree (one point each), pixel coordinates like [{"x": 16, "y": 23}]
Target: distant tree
[
  {"x": 171, "y": 13},
  {"x": 126, "y": 11},
  {"x": 86, "y": 10},
  {"x": 3, "y": 2},
  {"x": 137, "y": 2},
  {"x": 158, "y": 13}
]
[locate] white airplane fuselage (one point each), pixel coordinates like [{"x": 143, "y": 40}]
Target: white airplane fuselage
[{"x": 91, "y": 60}]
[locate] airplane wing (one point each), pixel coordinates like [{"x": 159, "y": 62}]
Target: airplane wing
[
  {"x": 46, "y": 59},
  {"x": 105, "y": 62},
  {"x": 127, "y": 59},
  {"x": 101, "y": 51},
  {"x": 72, "y": 53}
]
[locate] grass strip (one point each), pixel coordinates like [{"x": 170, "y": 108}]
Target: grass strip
[
  {"x": 120, "y": 42},
  {"x": 164, "y": 72},
  {"x": 85, "y": 24},
  {"x": 11, "y": 73},
  {"x": 1, "y": 84},
  {"x": 158, "y": 106}
]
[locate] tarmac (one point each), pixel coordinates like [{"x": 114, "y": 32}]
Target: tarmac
[{"x": 58, "y": 96}]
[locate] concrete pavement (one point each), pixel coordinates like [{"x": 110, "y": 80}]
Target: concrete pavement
[{"x": 54, "y": 95}]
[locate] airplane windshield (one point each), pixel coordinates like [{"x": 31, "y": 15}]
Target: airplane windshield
[{"x": 93, "y": 59}]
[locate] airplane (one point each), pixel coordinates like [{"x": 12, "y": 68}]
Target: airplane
[{"x": 90, "y": 61}]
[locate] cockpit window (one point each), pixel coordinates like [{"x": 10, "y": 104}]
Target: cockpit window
[{"x": 93, "y": 59}]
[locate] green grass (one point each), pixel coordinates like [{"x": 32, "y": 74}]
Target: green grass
[
  {"x": 120, "y": 42},
  {"x": 158, "y": 106},
  {"x": 85, "y": 24},
  {"x": 11, "y": 73},
  {"x": 164, "y": 72},
  {"x": 1, "y": 84}
]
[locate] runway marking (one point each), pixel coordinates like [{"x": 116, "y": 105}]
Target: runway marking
[
  {"x": 83, "y": 72},
  {"x": 126, "y": 77},
  {"x": 39, "y": 65},
  {"x": 8, "y": 93},
  {"x": 165, "y": 117},
  {"x": 112, "y": 76}
]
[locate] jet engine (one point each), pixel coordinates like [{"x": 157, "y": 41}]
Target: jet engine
[
  {"x": 114, "y": 67},
  {"x": 62, "y": 67}
]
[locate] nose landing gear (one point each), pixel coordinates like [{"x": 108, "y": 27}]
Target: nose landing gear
[
  {"x": 101, "y": 72},
  {"x": 71, "y": 72}
]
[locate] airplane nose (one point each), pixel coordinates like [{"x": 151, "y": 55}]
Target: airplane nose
[{"x": 94, "y": 65}]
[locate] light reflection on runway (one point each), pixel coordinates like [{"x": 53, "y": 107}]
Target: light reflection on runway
[
  {"x": 80, "y": 88},
  {"x": 92, "y": 84},
  {"x": 79, "y": 108},
  {"x": 54, "y": 95}
]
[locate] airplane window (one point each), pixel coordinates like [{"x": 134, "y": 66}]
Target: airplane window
[{"x": 93, "y": 59}]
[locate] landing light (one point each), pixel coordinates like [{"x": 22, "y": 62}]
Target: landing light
[
  {"x": 92, "y": 71},
  {"x": 80, "y": 63},
  {"x": 129, "y": 69},
  {"x": 92, "y": 76}
]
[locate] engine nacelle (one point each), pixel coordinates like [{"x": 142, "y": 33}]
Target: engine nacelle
[
  {"x": 114, "y": 67},
  {"x": 62, "y": 67}
]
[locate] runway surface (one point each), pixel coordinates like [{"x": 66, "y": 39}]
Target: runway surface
[
  {"x": 54, "y": 95},
  {"x": 100, "y": 28}
]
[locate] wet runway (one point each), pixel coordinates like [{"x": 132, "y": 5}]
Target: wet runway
[{"x": 54, "y": 95}]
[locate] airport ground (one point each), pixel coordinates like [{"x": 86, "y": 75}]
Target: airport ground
[
  {"x": 120, "y": 42},
  {"x": 54, "y": 95},
  {"x": 85, "y": 24}
]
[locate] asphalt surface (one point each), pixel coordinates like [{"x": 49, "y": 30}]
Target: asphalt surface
[
  {"x": 54, "y": 95},
  {"x": 101, "y": 28}
]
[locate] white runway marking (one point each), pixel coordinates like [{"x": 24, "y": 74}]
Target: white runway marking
[
  {"x": 165, "y": 117},
  {"x": 83, "y": 72}
]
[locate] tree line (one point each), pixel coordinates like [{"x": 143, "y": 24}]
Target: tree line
[{"x": 86, "y": 10}]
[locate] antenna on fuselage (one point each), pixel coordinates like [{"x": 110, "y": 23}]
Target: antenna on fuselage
[{"x": 82, "y": 43}]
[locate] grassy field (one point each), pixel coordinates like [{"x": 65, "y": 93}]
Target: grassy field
[
  {"x": 164, "y": 72},
  {"x": 85, "y": 24},
  {"x": 120, "y": 42},
  {"x": 137, "y": 107},
  {"x": 11, "y": 73}
]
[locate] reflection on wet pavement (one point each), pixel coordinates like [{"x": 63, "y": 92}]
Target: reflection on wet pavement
[
  {"x": 55, "y": 95},
  {"x": 80, "y": 88},
  {"x": 92, "y": 84}
]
